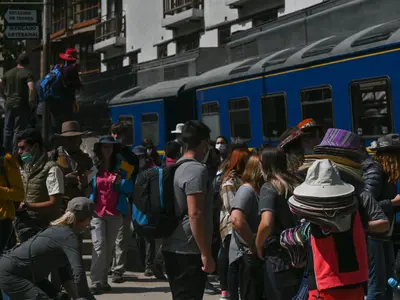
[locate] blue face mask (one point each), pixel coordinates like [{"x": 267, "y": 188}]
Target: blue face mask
[{"x": 26, "y": 157}]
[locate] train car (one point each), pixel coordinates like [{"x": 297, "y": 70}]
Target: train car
[
  {"x": 346, "y": 81},
  {"x": 153, "y": 112}
]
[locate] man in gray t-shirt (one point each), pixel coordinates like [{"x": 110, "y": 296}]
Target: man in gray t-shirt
[{"x": 187, "y": 252}]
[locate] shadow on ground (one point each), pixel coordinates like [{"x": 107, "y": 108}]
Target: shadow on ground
[{"x": 139, "y": 290}]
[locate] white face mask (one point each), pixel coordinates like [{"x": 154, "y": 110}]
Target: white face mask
[
  {"x": 149, "y": 152},
  {"x": 220, "y": 147}
]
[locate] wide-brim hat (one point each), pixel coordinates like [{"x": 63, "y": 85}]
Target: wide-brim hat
[
  {"x": 308, "y": 123},
  {"x": 386, "y": 142},
  {"x": 108, "y": 139},
  {"x": 71, "y": 129},
  {"x": 323, "y": 181},
  {"x": 70, "y": 54},
  {"x": 291, "y": 135}
]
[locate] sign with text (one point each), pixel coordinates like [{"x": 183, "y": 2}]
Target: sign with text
[
  {"x": 22, "y": 32},
  {"x": 22, "y": 24},
  {"x": 21, "y": 16}
]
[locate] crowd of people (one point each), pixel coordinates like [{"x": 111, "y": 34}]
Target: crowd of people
[{"x": 311, "y": 218}]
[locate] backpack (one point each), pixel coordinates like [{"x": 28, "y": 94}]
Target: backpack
[
  {"x": 52, "y": 85},
  {"x": 154, "y": 202}
]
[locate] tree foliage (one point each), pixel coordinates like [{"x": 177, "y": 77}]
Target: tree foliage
[{"x": 12, "y": 48}]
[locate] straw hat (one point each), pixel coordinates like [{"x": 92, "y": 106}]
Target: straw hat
[{"x": 70, "y": 129}]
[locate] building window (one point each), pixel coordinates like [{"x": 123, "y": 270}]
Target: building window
[
  {"x": 150, "y": 128},
  {"x": 115, "y": 63},
  {"x": 210, "y": 117},
  {"x": 133, "y": 58},
  {"x": 274, "y": 116},
  {"x": 188, "y": 42},
  {"x": 239, "y": 118},
  {"x": 59, "y": 17},
  {"x": 162, "y": 50},
  {"x": 371, "y": 107},
  {"x": 316, "y": 103},
  {"x": 88, "y": 59},
  {"x": 127, "y": 121},
  {"x": 224, "y": 34}
]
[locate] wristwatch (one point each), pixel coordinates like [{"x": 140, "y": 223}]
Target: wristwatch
[{"x": 25, "y": 204}]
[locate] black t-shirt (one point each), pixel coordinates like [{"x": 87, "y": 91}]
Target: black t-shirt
[{"x": 270, "y": 200}]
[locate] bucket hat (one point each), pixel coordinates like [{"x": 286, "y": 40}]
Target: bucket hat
[
  {"x": 178, "y": 129},
  {"x": 70, "y": 54},
  {"x": 71, "y": 128},
  {"x": 386, "y": 142},
  {"x": 323, "y": 181},
  {"x": 108, "y": 139}
]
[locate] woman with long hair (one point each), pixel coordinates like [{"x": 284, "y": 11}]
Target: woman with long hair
[
  {"x": 57, "y": 247},
  {"x": 245, "y": 220},
  {"x": 109, "y": 192},
  {"x": 231, "y": 181},
  {"x": 276, "y": 217},
  {"x": 380, "y": 177}
]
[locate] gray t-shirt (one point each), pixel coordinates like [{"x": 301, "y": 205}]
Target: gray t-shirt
[
  {"x": 190, "y": 178},
  {"x": 246, "y": 199}
]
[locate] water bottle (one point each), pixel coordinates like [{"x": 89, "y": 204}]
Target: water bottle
[{"x": 396, "y": 288}]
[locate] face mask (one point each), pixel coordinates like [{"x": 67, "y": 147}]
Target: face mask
[
  {"x": 221, "y": 147},
  {"x": 26, "y": 157},
  {"x": 149, "y": 152}
]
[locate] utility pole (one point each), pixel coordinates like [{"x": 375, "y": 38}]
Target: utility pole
[{"x": 45, "y": 66}]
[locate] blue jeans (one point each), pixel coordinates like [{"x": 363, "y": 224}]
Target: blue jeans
[{"x": 381, "y": 268}]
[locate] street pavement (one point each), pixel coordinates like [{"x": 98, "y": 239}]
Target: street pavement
[{"x": 139, "y": 287}]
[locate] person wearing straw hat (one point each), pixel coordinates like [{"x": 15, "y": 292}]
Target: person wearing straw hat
[
  {"x": 381, "y": 175},
  {"x": 74, "y": 163},
  {"x": 343, "y": 148},
  {"x": 338, "y": 263}
]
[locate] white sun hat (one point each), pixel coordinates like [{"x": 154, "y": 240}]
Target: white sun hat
[
  {"x": 323, "y": 181},
  {"x": 179, "y": 128}
]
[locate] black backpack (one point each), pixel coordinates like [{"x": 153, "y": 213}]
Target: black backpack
[{"x": 154, "y": 202}]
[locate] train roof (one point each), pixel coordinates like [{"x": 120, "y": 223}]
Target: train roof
[
  {"x": 375, "y": 37},
  {"x": 157, "y": 91}
]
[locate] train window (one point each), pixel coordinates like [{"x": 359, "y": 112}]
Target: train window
[
  {"x": 371, "y": 107},
  {"x": 317, "y": 103},
  {"x": 273, "y": 113},
  {"x": 239, "y": 118},
  {"x": 127, "y": 121},
  {"x": 210, "y": 117},
  {"x": 150, "y": 128}
]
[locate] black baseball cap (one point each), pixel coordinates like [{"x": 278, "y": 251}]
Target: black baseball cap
[{"x": 82, "y": 207}]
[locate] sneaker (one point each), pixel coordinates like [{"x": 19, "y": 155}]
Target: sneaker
[
  {"x": 117, "y": 278},
  {"x": 96, "y": 289},
  {"x": 210, "y": 289},
  {"x": 158, "y": 272},
  {"x": 106, "y": 287},
  {"x": 225, "y": 295},
  {"x": 148, "y": 272}
]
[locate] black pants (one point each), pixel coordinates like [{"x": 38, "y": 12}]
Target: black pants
[
  {"x": 251, "y": 278},
  {"x": 147, "y": 248},
  {"x": 228, "y": 273},
  {"x": 6, "y": 230},
  {"x": 186, "y": 278}
]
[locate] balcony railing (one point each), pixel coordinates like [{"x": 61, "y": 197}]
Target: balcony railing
[
  {"x": 85, "y": 16},
  {"x": 172, "y": 7},
  {"x": 58, "y": 25},
  {"x": 111, "y": 27}
]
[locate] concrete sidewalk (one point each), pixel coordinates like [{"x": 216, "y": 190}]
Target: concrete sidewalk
[{"x": 139, "y": 287}]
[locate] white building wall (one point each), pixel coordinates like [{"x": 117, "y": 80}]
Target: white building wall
[
  {"x": 143, "y": 27},
  {"x": 295, "y": 5}
]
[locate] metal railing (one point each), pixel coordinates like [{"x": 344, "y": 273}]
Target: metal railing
[
  {"x": 85, "y": 14},
  {"x": 58, "y": 24},
  {"x": 172, "y": 7},
  {"x": 111, "y": 27}
]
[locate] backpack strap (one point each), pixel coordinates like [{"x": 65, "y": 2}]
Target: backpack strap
[{"x": 160, "y": 186}]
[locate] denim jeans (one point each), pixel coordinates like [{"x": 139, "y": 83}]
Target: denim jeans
[
  {"x": 381, "y": 268},
  {"x": 16, "y": 120}
]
